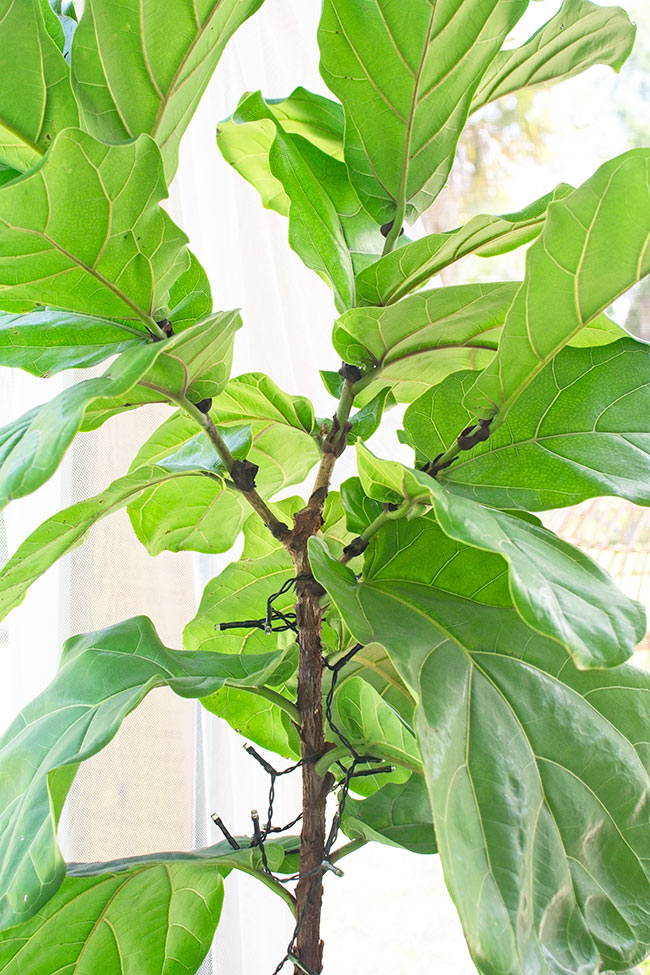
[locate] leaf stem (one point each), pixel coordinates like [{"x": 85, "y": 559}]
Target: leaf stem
[
  {"x": 379, "y": 522},
  {"x": 270, "y": 882},
  {"x": 282, "y": 702},
  {"x": 350, "y": 847},
  {"x": 396, "y": 229},
  {"x": 383, "y": 751},
  {"x": 277, "y": 528}
]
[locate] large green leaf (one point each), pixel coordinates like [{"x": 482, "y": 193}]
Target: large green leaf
[
  {"x": 558, "y": 590},
  {"x": 206, "y": 514},
  {"x": 369, "y": 722},
  {"x": 258, "y": 718},
  {"x": 408, "y": 268},
  {"x": 84, "y": 232},
  {"x": 247, "y": 145},
  {"x": 580, "y": 35},
  {"x": 141, "y": 66},
  {"x": 544, "y": 842},
  {"x": 328, "y": 227},
  {"x": 154, "y": 913},
  {"x": 36, "y": 100},
  {"x": 237, "y": 594},
  {"x": 68, "y": 529},
  {"x": 240, "y": 593},
  {"x": 194, "y": 363},
  {"x": 594, "y": 246},
  {"x": 254, "y": 396},
  {"x": 46, "y": 342},
  {"x": 406, "y": 84},
  {"x": 102, "y": 677},
  {"x": 153, "y": 916},
  {"x": 580, "y": 429},
  {"x": 398, "y": 814},
  {"x": 420, "y": 340}
]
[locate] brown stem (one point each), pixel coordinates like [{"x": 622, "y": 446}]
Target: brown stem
[
  {"x": 309, "y": 892},
  {"x": 315, "y": 788},
  {"x": 241, "y": 472}
]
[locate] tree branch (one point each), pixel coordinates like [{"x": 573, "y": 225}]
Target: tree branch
[{"x": 241, "y": 472}]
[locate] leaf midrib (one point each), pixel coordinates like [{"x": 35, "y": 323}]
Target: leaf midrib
[
  {"x": 474, "y": 665},
  {"x": 171, "y": 90}
]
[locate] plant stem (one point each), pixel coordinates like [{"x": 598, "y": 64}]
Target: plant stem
[
  {"x": 315, "y": 787},
  {"x": 379, "y": 750},
  {"x": 347, "y": 848},
  {"x": 379, "y": 522},
  {"x": 277, "y": 528},
  {"x": 396, "y": 229},
  {"x": 278, "y": 699}
]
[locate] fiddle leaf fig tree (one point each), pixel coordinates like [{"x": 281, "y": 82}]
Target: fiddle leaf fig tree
[{"x": 416, "y": 643}]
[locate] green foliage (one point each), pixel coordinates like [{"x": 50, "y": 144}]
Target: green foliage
[
  {"x": 141, "y": 67},
  {"x": 36, "y": 100},
  {"x": 523, "y": 754},
  {"x": 470, "y": 663}
]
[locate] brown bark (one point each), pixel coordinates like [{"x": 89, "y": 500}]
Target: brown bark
[{"x": 309, "y": 892}]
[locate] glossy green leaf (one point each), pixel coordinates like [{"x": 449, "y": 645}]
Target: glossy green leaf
[
  {"x": 102, "y": 677},
  {"x": 594, "y": 246},
  {"x": 373, "y": 664},
  {"x": 398, "y": 814},
  {"x": 141, "y": 66},
  {"x": 537, "y": 772},
  {"x": 558, "y": 590},
  {"x": 195, "y": 363},
  {"x": 579, "y": 430},
  {"x": 69, "y": 528},
  {"x": 406, "y": 84},
  {"x": 149, "y": 913},
  {"x": 580, "y": 35},
  {"x": 190, "y": 298},
  {"x": 121, "y": 919},
  {"x": 408, "y": 268},
  {"x": 247, "y": 147},
  {"x": 36, "y": 100},
  {"x": 199, "y": 514},
  {"x": 420, "y": 340},
  {"x": 240, "y": 593},
  {"x": 254, "y": 396},
  {"x": 328, "y": 227},
  {"x": 118, "y": 258},
  {"x": 46, "y": 342},
  {"x": 257, "y": 718},
  {"x": 369, "y": 721},
  {"x": 360, "y": 510}
]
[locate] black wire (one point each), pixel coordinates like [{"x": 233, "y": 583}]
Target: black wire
[
  {"x": 287, "y": 620},
  {"x": 276, "y": 621}
]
